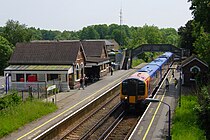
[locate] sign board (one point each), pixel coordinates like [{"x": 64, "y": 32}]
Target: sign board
[{"x": 51, "y": 87}]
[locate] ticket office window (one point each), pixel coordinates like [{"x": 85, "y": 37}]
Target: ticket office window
[{"x": 20, "y": 77}]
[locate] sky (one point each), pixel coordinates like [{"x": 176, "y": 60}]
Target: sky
[{"x": 73, "y": 15}]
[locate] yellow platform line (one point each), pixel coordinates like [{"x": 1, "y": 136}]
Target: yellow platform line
[
  {"x": 154, "y": 115},
  {"x": 71, "y": 107}
]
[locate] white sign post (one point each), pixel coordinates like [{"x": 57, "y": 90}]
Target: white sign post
[{"x": 51, "y": 88}]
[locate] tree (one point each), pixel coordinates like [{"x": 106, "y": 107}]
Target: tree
[
  {"x": 5, "y": 53},
  {"x": 152, "y": 34},
  {"x": 170, "y": 36},
  {"x": 34, "y": 34},
  {"x": 186, "y": 36},
  {"x": 202, "y": 46},
  {"x": 67, "y": 35},
  {"x": 89, "y": 33},
  {"x": 15, "y": 32},
  {"x": 49, "y": 34},
  {"x": 102, "y": 30},
  {"x": 137, "y": 38},
  {"x": 119, "y": 36},
  {"x": 201, "y": 11}
]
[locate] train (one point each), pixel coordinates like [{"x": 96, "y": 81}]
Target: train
[{"x": 142, "y": 84}]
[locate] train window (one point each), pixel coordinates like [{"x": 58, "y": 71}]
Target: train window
[
  {"x": 141, "y": 88},
  {"x": 124, "y": 88},
  {"x": 133, "y": 87}
]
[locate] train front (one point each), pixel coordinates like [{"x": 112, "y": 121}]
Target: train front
[{"x": 134, "y": 90}]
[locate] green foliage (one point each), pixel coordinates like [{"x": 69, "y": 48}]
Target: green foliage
[
  {"x": 9, "y": 100},
  {"x": 5, "y": 53},
  {"x": 136, "y": 62},
  {"x": 186, "y": 122},
  {"x": 200, "y": 10},
  {"x": 170, "y": 36},
  {"x": 14, "y": 117},
  {"x": 127, "y": 37},
  {"x": 49, "y": 35},
  {"x": 195, "y": 34},
  {"x": 152, "y": 35},
  {"x": 34, "y": 34},
  {"x": 119, "y": 36},
  {"x": 202, "y": 46},
  {"x": 102, "y": 30},
  {"x": 15, "y": 32},
  {"x": 89, "y": 33},
  {"x": 186, "y": 36},
  {"x": 203, "y": 109}
]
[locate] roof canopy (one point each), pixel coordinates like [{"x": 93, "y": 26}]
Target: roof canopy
[{"x": 38, "y": 68}]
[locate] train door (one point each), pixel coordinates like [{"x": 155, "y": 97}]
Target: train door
[
  {"x": 133, "y": 88},
  {"x": 149, "y": 89}
]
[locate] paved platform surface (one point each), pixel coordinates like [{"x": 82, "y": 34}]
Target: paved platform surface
[
  {"x": 69, "y": 102},
  {"x": 154, "y": 122}
]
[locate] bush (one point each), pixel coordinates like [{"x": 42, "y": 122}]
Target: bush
[
  {"x": 136, "y": 62},
  {"x": 203, "y": 110},
  {"x": 186, "y": 121},
  {"x": 9, "y": 100}
]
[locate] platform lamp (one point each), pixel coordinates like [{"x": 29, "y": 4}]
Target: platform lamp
[{"x": 169, "y": 116}]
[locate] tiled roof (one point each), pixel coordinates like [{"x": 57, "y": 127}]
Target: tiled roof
[
  {"x": 53, "y": 52},
  {"x": 38, "y": 67},
  {"x": 190, "y": 59},
  {"x": 96, "y": 59},
  {"x": 93, "y": 48}
]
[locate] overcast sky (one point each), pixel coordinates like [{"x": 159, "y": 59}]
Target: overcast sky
[{"x": 73, "y": 15}]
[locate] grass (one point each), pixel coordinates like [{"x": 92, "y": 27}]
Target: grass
[
  {"x": 136, "y": 62},
  {"x": 185, "y": 121},
  {"x": 14, "y": 117}
]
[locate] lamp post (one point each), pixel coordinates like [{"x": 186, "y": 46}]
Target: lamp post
[
  {"x": 180, "y": 86},
  {"x": 169, "y": 116}
]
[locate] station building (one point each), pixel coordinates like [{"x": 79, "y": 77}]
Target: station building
[
  {"x": 97, "y": 62},
  {"x": 39, "y": 64},
  {"x": 194, "y": 70}
]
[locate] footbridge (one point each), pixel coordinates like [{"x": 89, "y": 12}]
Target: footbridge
[{"x": 130, "y": 54}]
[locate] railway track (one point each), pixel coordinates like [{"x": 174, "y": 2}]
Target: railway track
[
  {"x": 112, "y": 123},
  {"x": 88, "y": 123},
  {"x": 124, "y": 127},
  {"x": 99, "y": 123}
]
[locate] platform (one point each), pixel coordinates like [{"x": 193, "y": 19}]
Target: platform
[
  {"x": 69, "y": 102},
  {"x": 153, "y": 125}
]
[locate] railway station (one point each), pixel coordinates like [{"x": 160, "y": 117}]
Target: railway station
[
  {"x": 152, "y": 125},
  {"x": 128, "y": 87},
  {"x": 69, "y": 103}
]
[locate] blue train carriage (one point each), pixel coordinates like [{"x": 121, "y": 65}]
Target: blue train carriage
[
  {"x": 169, "y": 56},
  {"x": 154, "y": 72},
  {"x": 163, "y": 64}
]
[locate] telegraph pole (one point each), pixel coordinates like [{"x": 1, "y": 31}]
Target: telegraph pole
[{"x": 121, "y": 42}]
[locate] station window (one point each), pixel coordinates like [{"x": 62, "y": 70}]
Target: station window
[
  {"x": 52, "y": 77},
  {"x": 77, "y": 72},
  {"x": 31, "y": 77},
  {"x": 194, "y": 72},
  {"x": 20, "y": 77}
]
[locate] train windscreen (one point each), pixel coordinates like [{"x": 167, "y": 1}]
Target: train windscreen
[{"x": 133, "y": 87}]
